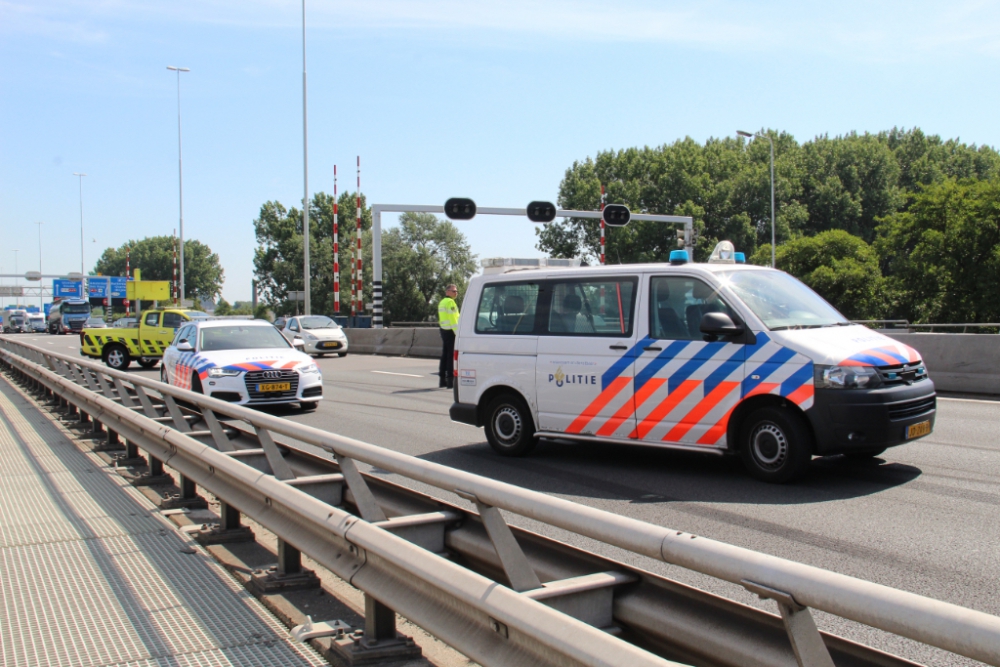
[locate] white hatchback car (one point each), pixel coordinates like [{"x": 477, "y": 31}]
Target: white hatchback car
[
  {"x": 320, "y": 335},
  {"x": 244, "y": 362}
]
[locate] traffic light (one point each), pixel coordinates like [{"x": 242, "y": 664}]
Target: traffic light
[
  {"x": 541, "y": 211},
  {"x": 616, "y": 215},
  {"x": 458, "y": 208},
  {"x": 680, "y": 238}
]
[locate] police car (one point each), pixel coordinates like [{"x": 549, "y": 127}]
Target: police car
[
  {"x": 246, "y": 362},
  {"x": 721, "y": 358}
]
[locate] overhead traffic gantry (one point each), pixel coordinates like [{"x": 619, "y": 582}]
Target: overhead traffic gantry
[{"x": 538, "y": 212}]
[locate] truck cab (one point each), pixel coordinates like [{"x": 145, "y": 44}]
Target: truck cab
[
  {"x": 68, "y": 316},
  {"x": 118, "y": 347}
]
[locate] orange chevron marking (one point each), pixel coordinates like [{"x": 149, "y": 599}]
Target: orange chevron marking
[
  {"x": 627, "y": 410},
  {"x": 801, "y": 395},
  {"x": 664, "y": 408},
  {"x": 598, "y": 404},
  {"x": 714, "y": 434},
  {"x": 692, "y": 418}
]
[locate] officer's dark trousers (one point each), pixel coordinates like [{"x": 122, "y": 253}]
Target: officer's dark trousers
[{"x": 446, "y": 367}]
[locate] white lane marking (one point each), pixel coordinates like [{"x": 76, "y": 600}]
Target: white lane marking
[
  {"x": 409, "y": 375},
  {"x": 968, "y": 400}
]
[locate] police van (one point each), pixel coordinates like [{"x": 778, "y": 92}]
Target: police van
[{"x": 720, "y": 357}]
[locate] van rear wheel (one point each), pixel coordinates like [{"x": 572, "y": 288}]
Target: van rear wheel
[
  {"x": 775, "y": 445},
  {"x": 510, "y": 429}
]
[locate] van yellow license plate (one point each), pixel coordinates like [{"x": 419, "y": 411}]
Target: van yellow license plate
[
  {"x": 918, "y": 429},
  {"x": 330, "y": 346},
  {"x": 282, "y": 386}
]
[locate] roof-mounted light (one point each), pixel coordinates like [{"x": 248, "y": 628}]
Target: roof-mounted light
[
  {"x": 724, "y": 253},
  {"x": 678, "y": 257}
]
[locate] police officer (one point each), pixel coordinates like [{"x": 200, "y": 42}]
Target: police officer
[{"x": 448, "y": 323}]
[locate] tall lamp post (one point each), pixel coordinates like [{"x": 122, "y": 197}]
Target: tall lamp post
[
  {"x": 180, "y": 170},
  {"x": 765, "y": 136},
  {"x": 307, "y": 306},
  {"x": 81, "y": 221},
  {"x": 41, "y": 292},
  {"x": 17, "y": 280}
]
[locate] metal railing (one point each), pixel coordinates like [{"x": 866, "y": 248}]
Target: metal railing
[{"x": 340, "y": 517}]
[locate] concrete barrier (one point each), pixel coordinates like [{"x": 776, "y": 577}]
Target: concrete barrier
[{"x": 967, "y": 363}]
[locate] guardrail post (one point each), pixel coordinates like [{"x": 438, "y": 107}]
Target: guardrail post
[
  {"x": 188, "y": 496},
  {"x": 807, "y": 642},
  {"x": 229, "y": 529},
  {"x": 288, "y": 575},
  {"x": 515, "y": 564},
  {"x": 380, "y": 621},
  {"x": 155, "y": 467}
]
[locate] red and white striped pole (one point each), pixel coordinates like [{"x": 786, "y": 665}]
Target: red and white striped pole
[
  {"x": 360, "y": 275},
  {"x": 602, "y": 224},
  {"x": 175, "y": 285},
  {"x": 128, "y": 275},
  {"x": 336, "y": 248}
]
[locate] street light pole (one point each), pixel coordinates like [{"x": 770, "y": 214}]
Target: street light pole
[
  {"x": 307, "y": 306},
  {"x": 17, "y": 280},
  {"x": 41, "y": 292},
  {"x": 81, "y": 221},
  {"x": 768, "y": 137},
  {"x": 180, "y": 170}
]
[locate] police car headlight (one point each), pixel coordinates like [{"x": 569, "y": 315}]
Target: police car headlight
[
  {"x": 311, "y": 368},
  {"x": 846, "y": 377},
  {"x": 223, "y": 372}
]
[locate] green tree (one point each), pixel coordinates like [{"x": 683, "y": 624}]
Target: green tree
[
  {"x": 943, "y": 253},
  {"x": 841, "y": 268},
  {"x": 154, "y": 255},
  {"x": 242, "y": 308},
  {"x": 278, "y": 257},
  {"x": 222, "y": 308},
  {"x": 420, "y": 258}
]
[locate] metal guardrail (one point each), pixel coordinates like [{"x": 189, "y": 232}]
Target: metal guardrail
[
  {"x": 306, "y": 503},
  {"x": 907, "y": 325}
]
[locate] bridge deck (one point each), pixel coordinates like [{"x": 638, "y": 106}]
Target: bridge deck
[{"x": 91, "y": 574}]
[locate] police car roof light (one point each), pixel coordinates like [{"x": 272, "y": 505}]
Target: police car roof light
[
  {"x": 678, "y": 257},
  {"x": 724, "y": 253},
  {"x": 740, "y": 258}
]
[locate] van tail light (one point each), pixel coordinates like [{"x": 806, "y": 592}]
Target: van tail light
[{"x": 455, "y": 370}]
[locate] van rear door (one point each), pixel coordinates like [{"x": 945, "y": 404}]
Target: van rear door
[{"x": 585, "y": 356}]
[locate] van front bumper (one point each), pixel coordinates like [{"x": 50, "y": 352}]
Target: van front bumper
[{"x": 845, "y": 420}]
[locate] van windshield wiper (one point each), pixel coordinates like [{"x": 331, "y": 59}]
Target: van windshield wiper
[{"x": 797, "y": 326}]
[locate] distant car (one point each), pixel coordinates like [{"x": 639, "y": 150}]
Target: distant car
[
  {"x": 319, "y": 334},
  {"x": 126, "y": 323},
  {"x": 37, "y": 323},
  {"x": 244, "y": 362},
  {"x": 95, "y": 323}
]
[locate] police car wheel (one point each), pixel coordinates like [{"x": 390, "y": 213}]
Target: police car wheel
[
  {"x": 775, "y": 445},
  {"x": 117, "y": 357},
  {"x": 509, "y": 427}
]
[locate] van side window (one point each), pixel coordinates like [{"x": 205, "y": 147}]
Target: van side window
[
  {"x": 152, "y": 319},
  {"x": 507, "y": 308},
  {"x": 677, "y": 304},
  {"x": 592, "y": 308}
]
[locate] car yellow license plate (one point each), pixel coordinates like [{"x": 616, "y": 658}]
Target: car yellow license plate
[
  {"x": 918, "y": 429},
  {"x": 275, "y": 386},
  {"x": 327, "y": 346}
]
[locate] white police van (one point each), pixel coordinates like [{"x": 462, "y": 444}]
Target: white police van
[{"x": 722, "y": 358}]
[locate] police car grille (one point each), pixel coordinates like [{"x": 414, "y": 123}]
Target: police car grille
[
  {"x": 914, "y": 408},
  {"x": 254, "y": 378},
  {"x": 903, "y": 373}
]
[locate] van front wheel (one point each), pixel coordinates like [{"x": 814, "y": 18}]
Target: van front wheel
[
  {"x": 775, "y": 445},
  {"x": 510, "y": 429}
]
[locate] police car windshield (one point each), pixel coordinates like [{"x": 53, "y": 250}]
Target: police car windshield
[
  {"x": 781, "y": 301},
  {"x": 318, "y": 323},
  {"x": 241, "y": 337}
]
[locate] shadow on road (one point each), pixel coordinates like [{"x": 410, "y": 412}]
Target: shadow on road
[{"x": 644, "y": 475}]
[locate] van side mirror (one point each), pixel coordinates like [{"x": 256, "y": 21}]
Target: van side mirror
[{"x": 719, "y": 325}]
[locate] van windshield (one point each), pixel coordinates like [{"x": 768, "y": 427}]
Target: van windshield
[{"x": 781, "y": 301}]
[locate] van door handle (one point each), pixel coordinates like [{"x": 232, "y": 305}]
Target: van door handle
[
  {"x": 652, "y": 349},
  {"x": 619, "y": 347}
]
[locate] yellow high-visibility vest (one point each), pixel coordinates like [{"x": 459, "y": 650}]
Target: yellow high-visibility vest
[{"x": 448, "y": 314}]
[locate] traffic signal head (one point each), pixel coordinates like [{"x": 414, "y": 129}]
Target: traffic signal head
[
  {"x": 616, "y": 215},
  {"x": 541, "y": 211},
  {"x": 458, "y": 208}
]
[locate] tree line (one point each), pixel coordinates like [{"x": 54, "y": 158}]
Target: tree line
[{"x": 898, "y": 224}]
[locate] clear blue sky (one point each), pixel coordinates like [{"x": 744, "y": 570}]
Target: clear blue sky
[{"x": 440, "y": 98}]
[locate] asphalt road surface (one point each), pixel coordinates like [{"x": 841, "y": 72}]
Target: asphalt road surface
[{"x": 922, "y": 518}]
